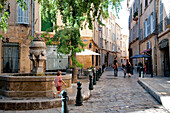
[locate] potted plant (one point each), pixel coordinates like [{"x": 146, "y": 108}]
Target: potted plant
[
  {"x": 87, "y": 71},
  {"x": 69, "y": 70},
  {"x": 135, "y": 16}
]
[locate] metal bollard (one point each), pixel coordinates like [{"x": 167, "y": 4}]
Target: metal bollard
[
  {"x": 94, "y": 76},
  {"x": 64, "y": 98},
  {"x": 139, "y": 72},
  {"x": 151, "y": 72},
  {"x": 90, "y": 83},
  {"x": 79, "y": 99},
  {"x": 97, "y": 75},
  {"x": 100, "y": 73}
]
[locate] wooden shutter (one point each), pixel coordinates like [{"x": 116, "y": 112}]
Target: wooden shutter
[
  {"x": 145, "y": 28},
  {"x": 154, "y": 18},
  {"x": 161, "y": 10},
  {"x": 149, "y": 25},
  {"x": 161, "y": 17}
]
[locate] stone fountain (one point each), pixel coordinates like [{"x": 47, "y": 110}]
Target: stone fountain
[
  {"x": 38, "y": 54},
  {"x": 35, "y": 87}
]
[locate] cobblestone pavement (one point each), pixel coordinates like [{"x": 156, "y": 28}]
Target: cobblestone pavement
[{"x": 113, "y": 95}]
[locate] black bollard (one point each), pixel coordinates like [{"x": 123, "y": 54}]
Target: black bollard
[
  {"x": 64, "y": 99},
  {"x": 94, "y": 76},
  {"x": 139, "y": 72},
  {"x": 100, "y": 73},
  {"x": 151, "y": 73},
  {"x": 97, "y": 75},
  {"x": 90, "y": 83},
  {"x": 79, "y": 99}
]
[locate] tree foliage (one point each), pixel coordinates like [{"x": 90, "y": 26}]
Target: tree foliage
[{"x": 74, "y": 14}]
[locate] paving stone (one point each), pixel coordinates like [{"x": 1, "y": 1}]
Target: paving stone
[{"x": 118, "y": 95}]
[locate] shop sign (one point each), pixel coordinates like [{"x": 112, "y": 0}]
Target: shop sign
[{"x": 163, "y": 44}]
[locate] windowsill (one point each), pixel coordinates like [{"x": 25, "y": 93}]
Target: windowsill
[
  {"x": 52, "y": 33},
  {"x": 163, "y": 32}
]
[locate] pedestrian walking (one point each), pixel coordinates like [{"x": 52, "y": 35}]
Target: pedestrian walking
[
  {"x": 124, "y": 69},
  {"x": 115, "y": 66},
  {"x": 58, "y": 82},
  {"x": 128, "y": 67}
]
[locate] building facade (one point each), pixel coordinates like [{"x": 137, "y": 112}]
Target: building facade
[
  {"x": 107, "y": 40},
  {"x": 124, "y": 48},
  {"x": 145, "y": 28},
  {"x": 163, "y": 38},
  {"x": 14, "y": 55}
]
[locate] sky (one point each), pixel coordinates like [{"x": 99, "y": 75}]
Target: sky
[{"x": 123, "y": 18}]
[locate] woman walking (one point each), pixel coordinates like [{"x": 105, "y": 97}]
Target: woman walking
[{"x": 128, "y": 67}]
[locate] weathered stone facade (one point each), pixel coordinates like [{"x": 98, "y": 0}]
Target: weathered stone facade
[
  {"x": 17, "y": 33},
  {"x": 154, "y": 35}
]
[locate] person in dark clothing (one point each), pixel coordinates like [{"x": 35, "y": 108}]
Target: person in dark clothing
[
  {"x": 128, "y": 67},
  {"x": 115, "y": 67}
]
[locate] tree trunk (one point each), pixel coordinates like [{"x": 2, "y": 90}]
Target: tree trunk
[{"x": 74, "y": 74}]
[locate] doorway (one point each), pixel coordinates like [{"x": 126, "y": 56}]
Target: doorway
[
  {"x": 166, "y": 63},
  {"x": 10, "y": 57}
]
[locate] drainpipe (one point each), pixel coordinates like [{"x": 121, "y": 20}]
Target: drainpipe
[
  {"x": 33, "y": 15},
  {"x": 139, "y": 25},
  {"x": 156, "y": 33}
]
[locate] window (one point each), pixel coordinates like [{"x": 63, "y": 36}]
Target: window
[
  {"x": 151, "y": 24},
  {"x": 145, "y": 28},
  {"x": 146, "y": 3},
  {"x": 115, "y": 37},
  {"x": 23, "y": 16},
  {"x": 46, "y": 24},
  {"x": 96, "y": 58},
  {"x": 120, "y": 43},
  {"x": 148, "y": 26}
]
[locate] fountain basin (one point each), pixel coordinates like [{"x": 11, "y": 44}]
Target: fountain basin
[{"x": 22, "y": 85}]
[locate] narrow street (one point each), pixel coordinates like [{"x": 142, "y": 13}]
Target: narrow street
[
  {"x": 112, "y": 95},
  {"x": 118, "y": 95}
]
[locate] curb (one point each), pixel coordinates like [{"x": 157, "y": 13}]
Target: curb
[
  {"x": 39, "y": 104},
  {"x": 146, "y": 87},
  {"x": 160, "y": 98}
]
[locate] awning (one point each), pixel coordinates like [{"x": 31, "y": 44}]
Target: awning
[{"x": 146, "y": 50}]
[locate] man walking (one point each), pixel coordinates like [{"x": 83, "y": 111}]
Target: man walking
[{"x": 115, "y": 67}]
